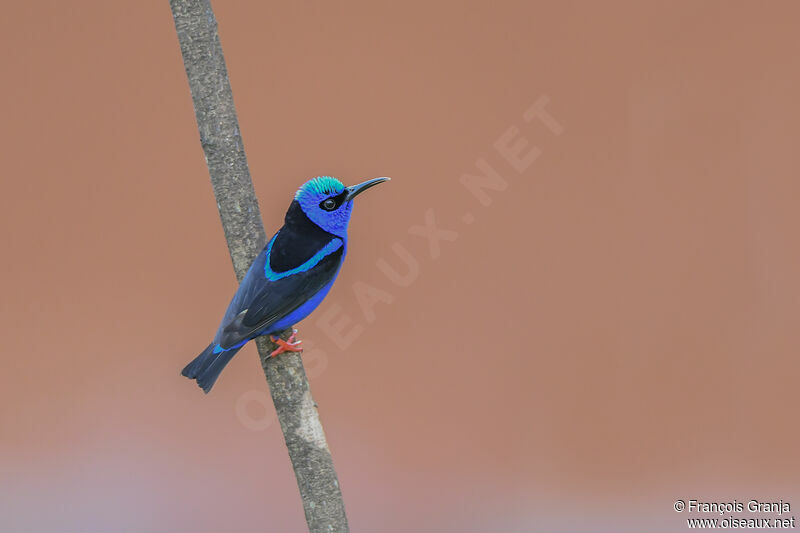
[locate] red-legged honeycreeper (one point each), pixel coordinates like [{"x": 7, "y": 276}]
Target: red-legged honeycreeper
[{"x": 289, "y": 278}]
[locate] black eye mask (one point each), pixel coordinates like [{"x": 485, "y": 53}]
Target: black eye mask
[{"x": 338, "y": 200}]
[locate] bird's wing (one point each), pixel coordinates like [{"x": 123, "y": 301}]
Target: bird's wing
[{"x": 273, "y": 295}]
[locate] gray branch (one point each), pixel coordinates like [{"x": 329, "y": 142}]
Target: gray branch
[{"x": 244, "y": 231}]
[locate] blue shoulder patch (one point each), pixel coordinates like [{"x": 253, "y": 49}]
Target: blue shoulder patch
[{"x": 328, "y": 249}]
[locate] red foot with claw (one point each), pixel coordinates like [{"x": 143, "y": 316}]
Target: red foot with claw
[{"x": 288, "y": 345}]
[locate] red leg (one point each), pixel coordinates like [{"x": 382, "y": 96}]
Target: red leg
[{"x": 288, "y": 345}]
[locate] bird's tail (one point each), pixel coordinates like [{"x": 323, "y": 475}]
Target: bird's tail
[{"x": 206, "y": 367}]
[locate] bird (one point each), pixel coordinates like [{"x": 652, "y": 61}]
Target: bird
[{"x": 288, "y": 279}]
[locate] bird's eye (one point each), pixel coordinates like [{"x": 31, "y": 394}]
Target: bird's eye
[{"x": 329, "y": 204}]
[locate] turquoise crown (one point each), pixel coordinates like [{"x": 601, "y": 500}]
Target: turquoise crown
[{"x": 321, "y": 185}]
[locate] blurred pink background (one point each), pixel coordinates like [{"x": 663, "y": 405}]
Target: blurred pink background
[{"x": 616, "y": 330}]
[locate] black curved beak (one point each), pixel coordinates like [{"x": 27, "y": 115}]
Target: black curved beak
[{"x": 355, "y": 190}]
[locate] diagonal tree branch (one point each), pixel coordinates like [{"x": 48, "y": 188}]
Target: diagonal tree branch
[{"x": 241, "y": 220}]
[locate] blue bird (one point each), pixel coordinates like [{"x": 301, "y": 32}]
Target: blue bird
[{"x": 288, "y": 279}]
